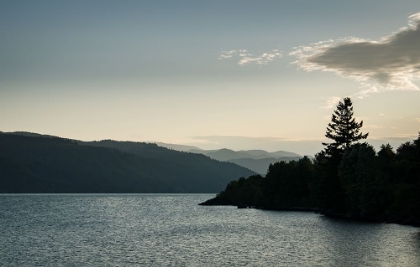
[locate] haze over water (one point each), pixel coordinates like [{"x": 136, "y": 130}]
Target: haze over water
[{"x": 172, "y": 230}]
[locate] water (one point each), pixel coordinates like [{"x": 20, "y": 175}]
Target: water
[{"x": 172, "y": 230}]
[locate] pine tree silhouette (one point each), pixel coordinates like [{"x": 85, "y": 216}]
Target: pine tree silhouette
[{"x": 343, "y": 128}]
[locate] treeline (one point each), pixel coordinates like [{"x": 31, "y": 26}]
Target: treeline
[{"x": 346, "y": 179}]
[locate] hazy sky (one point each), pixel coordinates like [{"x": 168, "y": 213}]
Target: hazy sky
[{"x": 236, "y": 74}]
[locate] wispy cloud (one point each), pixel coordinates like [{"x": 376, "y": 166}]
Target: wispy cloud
[
  {"x": 361, "y": 118},
  {"x": 228, "y": 54},
  {"x": 406, "y": 136},
  {"x": 373, "y": 126},
  {"x": 331, "y": 102},
  {"x": 393, "y": 63},
  {"x": 245, "y": 58}
]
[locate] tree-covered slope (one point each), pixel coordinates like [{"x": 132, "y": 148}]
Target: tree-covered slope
[
  {"x": 193, "y": 170},
  {"x": 347, "y": 179},
  {"x": 52, "y": 164}
]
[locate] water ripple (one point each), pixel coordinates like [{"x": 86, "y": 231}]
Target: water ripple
[{"x": 172, "y": 230}]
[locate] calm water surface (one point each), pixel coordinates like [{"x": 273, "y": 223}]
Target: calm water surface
[{"x": 172, "y": 230}]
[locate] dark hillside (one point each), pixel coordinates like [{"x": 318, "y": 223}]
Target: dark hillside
[
  {"x": 39, "y": 164},
  {"x": 193, "y": 170}
]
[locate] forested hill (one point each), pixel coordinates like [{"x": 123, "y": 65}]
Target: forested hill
[
  {"x": 347, "y": 179},
  {"x": 382, "y": 186},
  {"x": 34, "y": 163}
]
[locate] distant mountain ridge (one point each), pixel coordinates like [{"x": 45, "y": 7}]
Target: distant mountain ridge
[
  {"x": 255, "y": 160},
  {"x": 33, "y": 163},
  {"x": 260, "y": 165},
  {"x": 182, "y": 148},
  {"x": 227, "y": 154}
]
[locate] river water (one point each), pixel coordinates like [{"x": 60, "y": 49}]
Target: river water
[{"x": 172, "y": 230}]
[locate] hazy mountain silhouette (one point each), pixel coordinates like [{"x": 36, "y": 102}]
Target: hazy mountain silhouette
[
  {"x": 182, "y": 148},
  {"x": 35, "y": 163},
  {"x": 255, "y": 160},
  {"x": 260, "y": 165},
  {"x": 225, "y": 154}
]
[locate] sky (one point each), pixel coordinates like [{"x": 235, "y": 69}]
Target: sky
[{"x": 212, "y": 74}]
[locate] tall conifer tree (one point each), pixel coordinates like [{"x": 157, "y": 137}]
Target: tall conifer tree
[
  {"x": 344, "y": 131},
  {"x": 343, "y": 128}
]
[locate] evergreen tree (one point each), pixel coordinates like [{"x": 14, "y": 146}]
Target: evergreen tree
[
  {"x": 343, "y": 128},
  {"x": 344, "y": 131}
]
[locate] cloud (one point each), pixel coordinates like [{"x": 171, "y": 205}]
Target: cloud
[
  {"x": 417, "y": 119},
  {"x": 393, "y": 63},
  {"x": 404, "y": 137},
  {"x": 373, "y": 126},
  {"x": 227, "y": 54},
  {"x": 245, "y": 58},
  {"x": 361, "y": 118},
  {"x": 331, "y": 102}
]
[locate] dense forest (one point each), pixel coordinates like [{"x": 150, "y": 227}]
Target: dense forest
[
  {"x": 32, "y": 163},
  {"x": 348, "y": 178}
]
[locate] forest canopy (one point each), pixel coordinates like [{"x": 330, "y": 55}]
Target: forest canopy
[{"x": 348, "y": 178}]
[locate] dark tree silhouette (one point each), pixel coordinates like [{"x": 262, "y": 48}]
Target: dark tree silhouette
[
  {"x": 344, "y": 131},
  {"x": 343, "y": 128}
]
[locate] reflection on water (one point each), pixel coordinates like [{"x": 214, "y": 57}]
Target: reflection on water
[
  {"x": 366, "y": 244},
  {"x": 172, "y": 230}
]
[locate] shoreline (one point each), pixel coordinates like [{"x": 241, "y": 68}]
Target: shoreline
[{"x": 400, "y": 221}]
